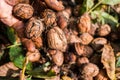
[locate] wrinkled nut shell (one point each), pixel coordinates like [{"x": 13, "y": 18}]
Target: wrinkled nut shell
[
  {"x": 82, "y": 60},
  {"x": 93, "y": 29},
  {"x": 84, "y": 23},
  {"x": 56, "y": 39},
  {"x": 90, "y": 69},
  {"x": 70, "y": 58},
  {"x": 23, "y": 11},
  {"x": 58, "y": 58},
  {"x": 34, "y": 28},
  {"x": 55, "y": 4},
  {"x": 63, "y": 17},
  {"x": 104, "y": 30},
  {"x": 33, "y": 56},
  {"x": 62, "y": 22},
  {"x": 49, "y": 17},
  {"x": 30, "y": 46},
  {"x": 83, "y": 50},
  {"x": 98, "y": 43},
  {"x": 85, "y": 38},
  {"x": 38, "y": 42}
]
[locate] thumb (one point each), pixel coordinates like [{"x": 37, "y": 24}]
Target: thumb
[
  {"x": 12, "y": 2},
  {"x": 6, "y": 13}
]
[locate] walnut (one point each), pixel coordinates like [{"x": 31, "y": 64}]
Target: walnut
[
  {"x": 33, "y": 56},
  {"x": 104, "y": 30},
  {"x": 23, "y": 11},
  {"x": 85, "y": 38},
  {"x": 49, "y": 17},
  {"x": 82, "y": 60},
  {"x": 34, "y": 28},
  {"x": 89, "y": 69},
  {"x": 29, "y": 45},
  {"x": 55, "y": 4},
  {"x": 56, "y": 39},
  {"x": 83, "y": 50},
  {"x": 38, "y": 42},
  {"x": 70, "y": 58},
  {"x": 57, "y": 57},
  {"x": 71, "y": 37},
  {"x": 93, "y": 29},
  {"x": 84, "y": 23},
  {"x": 98, "y": 43},
  {"x": 63, "y": 18},
  {"x": 62, "y": 21}
]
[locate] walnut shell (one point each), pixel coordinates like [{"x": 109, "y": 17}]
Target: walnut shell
[
  {"x": 63, "y": 17},
  {"x": 49, "y": 17},
  {"x": 104, "y": 30},
  {"x": 57, "y": 57},
  {"x": 70, "y": 58},
  {"x": 98, "y": 43},
  {"x": 56, "y": 39},
  {"x": 33, "y": 56},
  {"x": 55, "y": 4},
  {"x": 82, "y": 60},
  {"x": 89, "y": 69},
  {"x": 84, "y": 23},
  {"x": 85, "y": 38},
  {"x": 83, "y": 50},
  {"x": 38, "y": 42},
  {"x": 23, "y": 11},
  {"x": 34, "y": 28}
]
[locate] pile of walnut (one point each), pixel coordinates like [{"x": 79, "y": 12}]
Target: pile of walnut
[{"x": 55, "y": 32}]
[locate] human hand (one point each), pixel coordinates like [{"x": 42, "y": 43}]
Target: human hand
[
  {"x": 7, "y": 18},
  {"x": 6, "y": 13}
]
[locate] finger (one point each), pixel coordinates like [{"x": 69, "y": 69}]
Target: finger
[
  {"x": 6, "y": 14},
  {"x": 11, "y": 2}
]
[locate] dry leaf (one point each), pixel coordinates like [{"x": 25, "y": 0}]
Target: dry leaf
[{"x": 108, "y": 60}]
